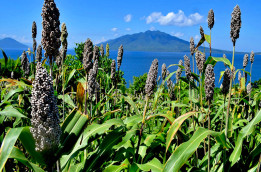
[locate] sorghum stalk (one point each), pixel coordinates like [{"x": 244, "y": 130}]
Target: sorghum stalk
[
  {"x": 234, "y": 34},
  {"x": 209, "y": 90},
  {"x": 149, "y": 89},
  {"x": 225, "y": 90},
  {"x": 163, "y": 71}
]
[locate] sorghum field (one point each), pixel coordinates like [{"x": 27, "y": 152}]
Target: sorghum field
[{"x": 74, "y": 113}]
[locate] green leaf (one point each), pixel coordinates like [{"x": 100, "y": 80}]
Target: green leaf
[
  {"x": 207, "y": 38},
  {"x": 10, "y": 94},
  {"x": 10, "y": 111},
  {"x": 28, "y": 142},
  {"x": 6, "y": 58},
  {"x": 168, "y": 116},
  {"x": 19, "y": 156},
  {"x": 221, "y": 59},
  {"x": 68, "y": 100},
  {"x": 245, "y": 131},
  {"x": 185, "y": 150},
  {"x": 175, "y": 127},
  {"x": 130, "y": 101},
  {"x": 104, "y": 150},
  {"x": 154, "y": 165},
  {"x": 70, "y": 76},
  {"x": 8, "y": 144},
  {"x": 132, "y": 120},
  {"x": 118, "y": 168},
  {"x": 82, "y": 141},
  {"x": 202, "y": 40}
]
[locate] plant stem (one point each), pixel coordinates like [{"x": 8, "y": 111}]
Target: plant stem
[
  {"x": 63, "y": 88},
  {"x": 210, "y": 43},
  {"x": 230, "y": 90},
  {"x": 209, "y": 137},
  {"x": 223, "y": 113},
  {"x": 141, "y": 129},
  {"x": 85, "y": 103},
  {"x": 259, "y": 162}
]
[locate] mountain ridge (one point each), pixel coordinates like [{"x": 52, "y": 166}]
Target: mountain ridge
[
  {"x": 154, "y": 41},
  {"x": 10, "y": 43}
]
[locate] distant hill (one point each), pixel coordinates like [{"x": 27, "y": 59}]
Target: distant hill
[
  {"x": 156, "y": 41},
  {"x": 9, "y": 43}
]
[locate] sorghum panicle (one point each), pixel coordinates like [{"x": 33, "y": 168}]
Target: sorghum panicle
[
  {"x": 226, "y": 82},
  {"x": 152, "y": 78},
  {"x": 113, "y": 70},
  {"x": 45, "y": 116},
  {"x": 192, "y": 46},
  {"x": 34, "y": 45},
  {"x": 187, "y": 67},
  {"x": 235, "y": 24},
  {"x": 102, "y": 50},
  {"x": 201, "y": 32},
  {"x": 200, "y": 60},
  {"x": 119, "y": 57},
  {"x": 210, "y": 19},
  {"x": 51, "y": 29},
  {"x": 252, "y": 57},
  {"x": 95, "y": 67},
  {"x": 107, "y": 50},
  {"x": 63, "y": 50},
  {"x": 245, "y": 61},
  {"x": 96, "y": 53},
  {"x": 239, "y": 76},
  {"x": 34, "y": 30},
  {"x": 209, "y": 82},
  {"x": 170, "y": 86},
  {"x": 179, "y": 71},
  {"x": 249, "y": 88},
  {"x": 87, "y": 55},
  {"x": 25, "y": 64},
  {"x": 163, "y": 71},
  {"x": 91, "y": 83}
]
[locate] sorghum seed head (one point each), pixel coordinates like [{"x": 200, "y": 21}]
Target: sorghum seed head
[
  {"x": 235, "y": 24},
  {"x": 45, "y": 116},
  {"x": 95, "y": 67},
  {"x": 170, "y": 88},
  {"x": 102, "y": 50},
  {"x": 226, "y": 81},
  {"x": 209, "y": 82},
  {"x": 64, "y": 35},
  {"x": 224, "y": 56},
  {"x": 87, "y": 55},
  {"x": 201, "y": 32},
  {"x": 25, "y": 64},
  {"x": 249, "y": 88},
  {"x": 34, "y": 45},
  {"x": 91, "y": 83},
  {"x": 34, "y": 30},
  {"x": 210, "y": 19},
  {"x": 192, "y": 46},
  {"x": 39, "y": 53},
  {"x": 119, "y": 57},
  {"x": 163, "y": 71},
  {"x": 239, "y": 76},
  {"x": 233, "y": 72},
  {"x": 187, "y": 67},
  {"x": 252, "y": 57},
  {"x": 179, "y": 71},
  {"x": 113, "y": 70},
  {"x": 245, "y": 61},
  {"x": 51, "y": 29},
  {"x": 107, "y": 50},
  {"x": 200, "y": 60},
  {"x": 152, "y": 78},
  {"x": 96, "y": 53}
]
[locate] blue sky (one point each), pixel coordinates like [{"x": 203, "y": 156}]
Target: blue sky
[{"x": 102, "y": 20}]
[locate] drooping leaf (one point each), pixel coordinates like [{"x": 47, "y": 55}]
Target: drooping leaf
[
  {"x": 118, "y": 168},
  {"x": 245, "y": 131},
  {"x": 154, "y": 166},
  {"x": 10, "y": 111},
  {"x": 8, "y": 144},
  {"x": 175, "y": 126}
]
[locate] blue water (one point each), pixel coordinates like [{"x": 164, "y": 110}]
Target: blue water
[{"x": 137, "y": 63}]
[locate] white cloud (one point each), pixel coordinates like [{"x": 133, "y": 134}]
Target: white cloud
[
  {"x": 128, "y": 29},
  {"x": 127, "y": 18},
  {"x": 116, "y": 34},
  {"x": 197, "y": 37},
  {"x": 152, "y": 28},
  {"x": 100, "y": 40},
  {"x": 177, "y": 34},
  {"x": 178, "y": 19},
  {"x": 114, "y": 29}
]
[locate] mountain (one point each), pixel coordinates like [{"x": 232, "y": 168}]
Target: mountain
[
  {"x": 156, "y": 41},
  {"x": 9, "y": 43}
]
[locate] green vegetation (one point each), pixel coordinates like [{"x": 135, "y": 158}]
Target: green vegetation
[{"x": 83, "y": 118}]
